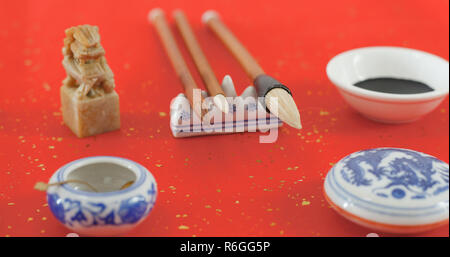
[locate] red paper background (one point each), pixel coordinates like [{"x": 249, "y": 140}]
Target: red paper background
[{"x": 252, "y": 189}]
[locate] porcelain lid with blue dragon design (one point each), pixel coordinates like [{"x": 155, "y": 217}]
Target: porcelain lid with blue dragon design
[{"x": 391, "y": 186}]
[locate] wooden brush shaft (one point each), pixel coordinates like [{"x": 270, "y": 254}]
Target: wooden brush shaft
[
  {"x": 177, "y": 61},
  {"x": 247, "y": 61},
  {"x": 205, "y": 70}
]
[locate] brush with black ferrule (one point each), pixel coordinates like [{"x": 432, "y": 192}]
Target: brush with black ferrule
[{"x": 277, "y": 97}]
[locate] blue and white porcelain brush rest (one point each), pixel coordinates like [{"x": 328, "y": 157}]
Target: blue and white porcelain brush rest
[
  {"x": 111, "y": 211},
  {"x": 253, "y": 118},
  {"x": 390, "y": 189}
]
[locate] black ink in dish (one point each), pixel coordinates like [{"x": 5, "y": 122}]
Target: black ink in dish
[{"x": 394, "y": 86}]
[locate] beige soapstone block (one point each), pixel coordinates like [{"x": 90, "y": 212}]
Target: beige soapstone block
[
  {"x": 90, "y": 116},
  {"x": 90, "y": 105}
]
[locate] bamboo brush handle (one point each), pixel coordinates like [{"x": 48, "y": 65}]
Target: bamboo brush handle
[
  {"x": 205, "y": 70},
  {"x": 157, "y": 17},
  {"x": 244, "y": 58}
]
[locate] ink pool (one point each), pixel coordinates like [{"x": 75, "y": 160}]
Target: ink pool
[{"x": 394, "y": 86}]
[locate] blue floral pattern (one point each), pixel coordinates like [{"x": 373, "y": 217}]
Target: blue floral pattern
[
  {"x": 56, "y": 206},
  {"x": 396, "y": 173},
  {"x": 132, "y": 209},
  {"x": 88, "y": 214}
]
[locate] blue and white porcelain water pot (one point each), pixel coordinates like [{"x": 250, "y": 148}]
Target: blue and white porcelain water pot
[{"x": 113, "y": 208}]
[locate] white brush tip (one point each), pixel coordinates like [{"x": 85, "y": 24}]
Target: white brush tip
[
  {"x": 221, "y": 102},
  {"x": 209, "y": 15},
  {"x": 227, "y": 80},
  {"x": 296, "y": 124},
  {"x": 153, "y": 13}
]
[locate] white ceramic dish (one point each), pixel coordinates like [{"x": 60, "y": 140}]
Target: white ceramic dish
[
  {"x": 110, "y": 211},
  {"x": 347, "y": 68},
  {"x": 390, "y": 189}
]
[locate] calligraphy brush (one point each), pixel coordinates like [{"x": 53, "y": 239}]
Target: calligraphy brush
[
  {"x": 157, "y": 17},
  {"x": 277, "y": 97},
  {"x": 209, "y": 78}
]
